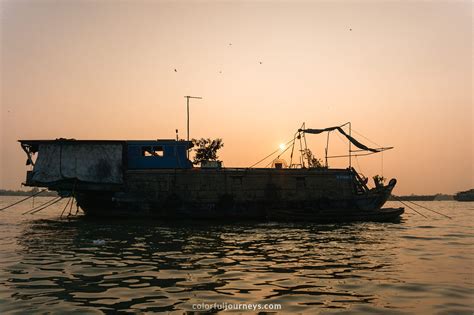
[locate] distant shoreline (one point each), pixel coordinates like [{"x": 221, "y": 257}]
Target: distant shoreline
[
  {"x": 6, "y": 192},
  {"x": 436, "y": 197}
]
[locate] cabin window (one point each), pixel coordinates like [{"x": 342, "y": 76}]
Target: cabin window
[{"x": 152, "y": 151}]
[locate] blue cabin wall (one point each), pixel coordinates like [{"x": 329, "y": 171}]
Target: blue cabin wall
[{"x": 157, "y": 154}]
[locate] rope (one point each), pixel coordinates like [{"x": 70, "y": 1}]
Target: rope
[
  {"x": 15, "y": 203},
  {"x": 73, "y": 194},
  {"x": 410, "y": 207},
  {"x": 358, "y": 165},
  {"x": 366, "y": 138},
  {"x": 268, "y": 164},
  {"x": 43, "y": 204},
  {"x": 444, "y": 215},
  {"x": 70, "y": 207},
  {"x": 46, "y": 204},
  {"x": 270, "y": 154},
  {"x": 56, "y": 201},
  {"x": 69, "y": 200},
  {"x": 361, "y": 135},
  {"x": 265, "y": 158},
  {"x": 340, "y": 138},
  {"x": 346, "y": 155},
  {"x": 77, "y": 208},
  {"x": 279, "y": 155}
]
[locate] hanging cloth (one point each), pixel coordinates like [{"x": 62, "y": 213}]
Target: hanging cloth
[{"x": 350, "y": 138}]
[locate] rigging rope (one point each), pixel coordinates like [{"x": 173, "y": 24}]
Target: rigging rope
[
  {"x": 279, "y": 155},
  {"x": 44, "y": 204},
  {"x": 15, "y": 203},
  {"x": 366, "y": 138},
  {"x": 381, "y": 156},
  {"x": 270, "y": 154},
  {"x": 69, "y": 199},
  {"x": 358, "y": 165},
  {"x": 444, "y": 215},
  {"x": 410, "y": 207},
  {"x": 57, "y": 200}
]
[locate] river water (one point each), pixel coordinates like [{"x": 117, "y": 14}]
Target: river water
[{"x": 78, "y": 265}]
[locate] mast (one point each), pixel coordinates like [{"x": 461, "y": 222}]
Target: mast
[
  {"x": 327, "y": 149},
  {"x": 302, "y": 152},
  {"x": 187, "y": 107},
  {"x": 306, "y": 146}
]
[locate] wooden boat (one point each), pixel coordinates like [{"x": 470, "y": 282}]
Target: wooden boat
[
  {"x": 154, "y": 178},
  {"x": 337, "y": 216},
  {"x": 467, "y": 195}
]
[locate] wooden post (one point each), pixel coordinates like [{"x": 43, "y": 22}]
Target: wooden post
[{"x": 350, "y": 149}]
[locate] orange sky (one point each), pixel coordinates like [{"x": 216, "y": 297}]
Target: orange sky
[{"x": 105, "y": 70}]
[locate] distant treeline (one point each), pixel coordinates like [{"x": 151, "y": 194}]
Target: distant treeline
[
  {"x": 422, "y": 197},
  {"x": 5, "y": 192}
]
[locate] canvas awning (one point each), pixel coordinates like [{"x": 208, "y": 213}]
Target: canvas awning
[{"x": 350, "y": 138}]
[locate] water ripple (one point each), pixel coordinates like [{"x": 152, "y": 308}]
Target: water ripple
[{"x": 50, "y": 265}]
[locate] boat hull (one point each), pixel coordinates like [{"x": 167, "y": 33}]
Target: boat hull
[
  {"x": 465, "y": 195},
  {"x": 335, "y": 216},
  {"x": 148, "y": 178},
  {"x": 256, "y": 211},
  {"x": 323, "y": 196}
]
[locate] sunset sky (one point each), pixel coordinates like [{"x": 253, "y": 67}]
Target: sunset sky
[{"x": 400, "y": 71}]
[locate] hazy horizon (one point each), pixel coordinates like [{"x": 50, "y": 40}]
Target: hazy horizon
[{"x": 401, "y": 72}]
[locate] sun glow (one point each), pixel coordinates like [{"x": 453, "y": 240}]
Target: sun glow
[{"x": 282, "y": 146}]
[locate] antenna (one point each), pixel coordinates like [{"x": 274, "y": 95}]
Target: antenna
[{"x": 187, "y": 106}]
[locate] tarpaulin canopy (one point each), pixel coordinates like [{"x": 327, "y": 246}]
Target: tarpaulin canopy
[
  {"x": 89, "y": 162},
  {"x": 351, "y": 139}
]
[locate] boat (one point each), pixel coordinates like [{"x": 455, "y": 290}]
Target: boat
[
  {"x": 156, "y": 178},
  {"x": 467, "y": 195}
]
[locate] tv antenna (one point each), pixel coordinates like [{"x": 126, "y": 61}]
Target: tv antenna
[{"x": 187, "y": 107}]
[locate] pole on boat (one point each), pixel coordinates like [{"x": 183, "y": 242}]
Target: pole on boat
[
  {"x": 350, "y": 149},
  {"x": 302, "y": 152},
  {"x": 327, "y": 148},
  {"x": 187, "y": 107}
]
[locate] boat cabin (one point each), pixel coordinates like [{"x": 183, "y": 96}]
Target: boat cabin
[
  {"x": 143, "y": 154},
  {"x": 100, "y": 161}
]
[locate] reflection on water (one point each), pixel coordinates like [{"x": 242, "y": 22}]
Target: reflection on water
[{"x": 138, "y": 266}]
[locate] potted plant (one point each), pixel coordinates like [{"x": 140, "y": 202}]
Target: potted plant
[{"x": 206, "y": 152}]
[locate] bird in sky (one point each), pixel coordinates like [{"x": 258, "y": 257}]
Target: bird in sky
[{"x": 175, "y": 70}]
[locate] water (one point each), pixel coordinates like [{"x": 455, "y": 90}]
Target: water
[{"x": 83, "y": 266}]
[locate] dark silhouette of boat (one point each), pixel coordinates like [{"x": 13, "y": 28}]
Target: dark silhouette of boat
[
  {"x": 467, "y": 195},
  {"x": 155, "y": 178}
]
